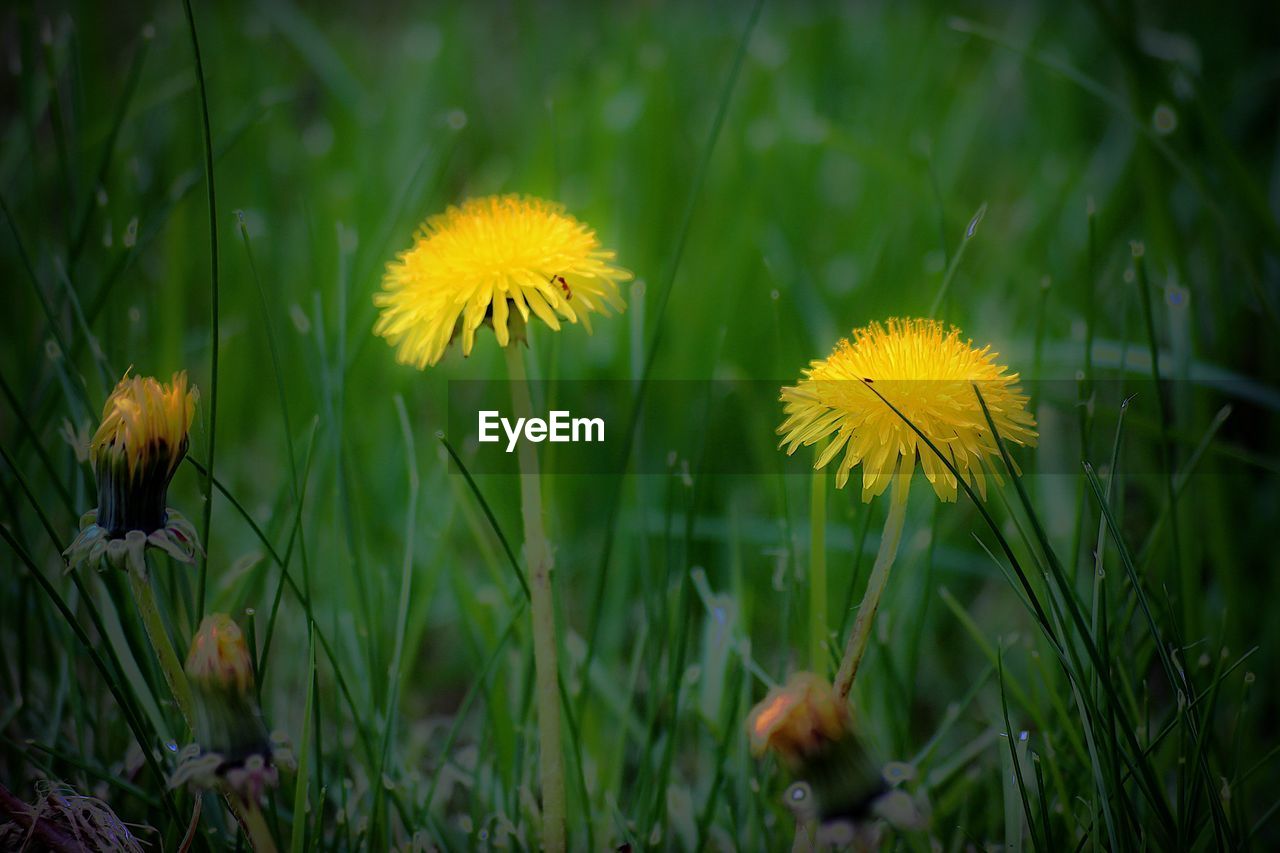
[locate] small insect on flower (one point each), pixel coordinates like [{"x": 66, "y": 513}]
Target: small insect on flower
[
  {"x": 928, "y": 373},
  {"x": 142, "y": 439},
  {"x": 471, "y": 265}
]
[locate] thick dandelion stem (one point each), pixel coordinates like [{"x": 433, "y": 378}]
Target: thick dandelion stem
[
  {"x": 859, "y": 637},
  {"x": 537, "y": 554},
  {"x": 144, "y": 596},
  {"x": 818, "y": 572},
  {"x": 252, "y": 821}
]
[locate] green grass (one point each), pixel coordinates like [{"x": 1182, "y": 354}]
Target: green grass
[{"x": 773, "y": 182}]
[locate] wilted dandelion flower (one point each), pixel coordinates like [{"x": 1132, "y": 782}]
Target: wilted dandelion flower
[
  {"x": 471, "y": 265},
  {"x": 137, "y": 448},
  {"x": 927, "y": 372}
]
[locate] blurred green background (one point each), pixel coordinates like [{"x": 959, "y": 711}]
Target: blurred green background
[{"x": 859, "y": 142}]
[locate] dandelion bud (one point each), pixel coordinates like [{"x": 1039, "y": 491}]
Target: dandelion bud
[
  {"x": 798, "y": 721},
  {"x": 232, "y": 748},
  {"x": 811, "y": 729},
  {"x": 219, "y": 659},
  {"x": 137, "y": 448},
  {"x": 135, "y": 452}
]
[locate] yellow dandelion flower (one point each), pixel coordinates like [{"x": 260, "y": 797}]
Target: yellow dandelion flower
[
  {"x": 470, "y": 265},
  {"x": 927, "y": 372}
]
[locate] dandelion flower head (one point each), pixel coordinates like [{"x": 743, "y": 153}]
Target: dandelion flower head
[
  {"x": 928, "y": 372},
  {"x": 475, "y": 263},
  {"x": 145, "y": 424}
]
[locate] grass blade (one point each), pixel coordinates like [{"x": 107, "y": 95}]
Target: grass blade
[{"x": 207, "y": 519}]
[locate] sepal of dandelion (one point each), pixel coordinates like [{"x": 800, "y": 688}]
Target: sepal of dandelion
[
  {"x": 95, "y": 547},
  {"x": 204, "y": 770},
  {"x": 248, "y": 776}
]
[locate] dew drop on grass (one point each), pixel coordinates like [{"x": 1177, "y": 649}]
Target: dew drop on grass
[
  {"x": 130, "y": 237},
  {"x": 897, "y": 772},
  {"x": 975, "y": 222},
  {"x": 1164, "y": 120}
]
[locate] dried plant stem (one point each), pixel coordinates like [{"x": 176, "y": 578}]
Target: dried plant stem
[
  {"x": 144, "y": 596},
  {"x": 856, "y": 645},
  {"x": 537, "y": 554}
]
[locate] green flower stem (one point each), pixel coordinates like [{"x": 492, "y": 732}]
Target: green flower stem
[
  {"x": 861, "y": 633},
  {"x": 144, "y": 596},
  {"x": 252, "y": 821},
  {"x": 818, "y": 572},
  {"x": 537, "y": 554}
]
